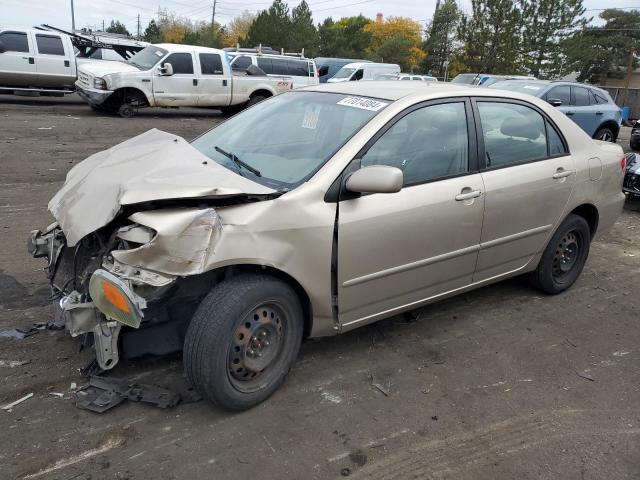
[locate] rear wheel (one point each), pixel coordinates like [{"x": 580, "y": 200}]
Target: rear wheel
[
  {"x": 565, "y": 256},
  {"x": 605, "y": 134},
  {"x": 242, "y": 340},
  {"x": 256, "y": 99}
]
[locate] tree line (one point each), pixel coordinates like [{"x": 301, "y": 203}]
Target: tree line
[{"x": 543, "y": 38}]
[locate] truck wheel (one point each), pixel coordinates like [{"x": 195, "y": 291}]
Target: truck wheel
[
  {"x": 255, "y": 99},
  {"x": 242, "y": 340},
  {"x": 564, "y": 257},
  {"x": 126, "y": 111},
  {"x": 232, "y": 109},
  {"x": 605, "y": 134}
]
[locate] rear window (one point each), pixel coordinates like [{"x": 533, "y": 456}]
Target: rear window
[
  {"x": 49, "y": 44},
  {"x": 210, "y": 64},
  {"x": 15, "y": 41}
]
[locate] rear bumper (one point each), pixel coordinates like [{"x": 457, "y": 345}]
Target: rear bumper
[{"x": 93, "y": 96}]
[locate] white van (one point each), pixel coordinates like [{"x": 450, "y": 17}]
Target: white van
[
  {"x": 301, "y": 70},
  {"x": 365, "y": 71}
]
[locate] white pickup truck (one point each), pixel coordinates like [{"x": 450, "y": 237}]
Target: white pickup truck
[
  {"x": 171, "y": 75},
  {"x": 44, "y": 60}
]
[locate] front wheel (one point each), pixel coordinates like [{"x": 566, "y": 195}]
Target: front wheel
[
  {"x": 243, "y": 340},
  {"x": 564, "y": 257},
  {"x": 605, "y": 134}
]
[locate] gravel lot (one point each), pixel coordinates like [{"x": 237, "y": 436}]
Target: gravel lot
[{"x": 502, "y": 382}]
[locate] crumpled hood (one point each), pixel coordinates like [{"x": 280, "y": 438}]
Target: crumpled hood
[
  {"x": 105, "y": 67},
  {"x": 152, "y": 166}
]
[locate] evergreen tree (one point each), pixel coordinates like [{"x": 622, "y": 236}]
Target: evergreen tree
[
  {"x": 117, "y": 27},
  {"x": 490, "y": 37},
  {"x": 546, "y": 24},
  {"x": 346, "y": 38},
  {"x": 440, "y": 38},
  {"x": 304, "y": 33},
  {"x": 271, "y": 27},
  {"x": 152, "y": 33}
]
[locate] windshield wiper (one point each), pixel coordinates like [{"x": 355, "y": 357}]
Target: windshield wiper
[{"x": 237, "y": 161}]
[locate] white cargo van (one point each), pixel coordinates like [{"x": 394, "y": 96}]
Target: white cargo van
[{"x": 365, "y": 71}]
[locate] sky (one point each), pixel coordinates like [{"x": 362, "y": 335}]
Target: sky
[{"x": 91, "y": 13}]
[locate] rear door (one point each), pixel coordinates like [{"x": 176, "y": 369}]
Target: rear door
[
  {"x": 528, "y": 175},
  {"x": 585, "y": 113},
  {"x": 179, "y": 89},
  {"x": 17, "y": 63},
  {"x": 53, "y": 61},
  {"x": 214, "y": 87}
]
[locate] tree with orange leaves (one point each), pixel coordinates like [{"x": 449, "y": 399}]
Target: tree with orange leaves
[{"x": 396, "y": 40}]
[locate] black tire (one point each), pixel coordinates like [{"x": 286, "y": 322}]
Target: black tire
[
  {"x": 565, "y": 256},
  {"x": 256, "y": 99},
  {"x": 126, "y": 110},
  {"x": 232, "y": 109},
  {"x": 605, "y": 134},
  {"x": 225, "y": 333}
]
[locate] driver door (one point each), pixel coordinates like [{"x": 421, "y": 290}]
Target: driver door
[
  {"x": 179, "y": 89},
  {"x": 399, "y": 249}
]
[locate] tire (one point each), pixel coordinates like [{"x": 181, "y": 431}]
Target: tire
[
  {"x": 634, "y": 145},
  {"x": 126, "y": 110},
  {"x": 232, "y": 109},
  {"x": 256, "y": 99},
  {"x": 243, "y": 340},
  {"x": 565, "y": 256},
  {"x": 605, "y": 134}
]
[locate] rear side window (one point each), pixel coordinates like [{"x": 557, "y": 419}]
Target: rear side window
[
  {"x": 15, "y": 41},
  {"x": 512, "y": 134},
  {"x": 562, "y": 93},
  {"x": 49, "y": 45},
  {"x": 298, "y": 68},
  {"x": 265, "y": 64},
  {"x": 280, "y": 66},
  {"x": 241, "y": 63},
  {"x": 598, "y": 98},
  {"x": 581, "y": 96},
  {"x": 210, "y": 64},
  {"x": 181, "y": 62},
  {"x": 556, "y": 145}
]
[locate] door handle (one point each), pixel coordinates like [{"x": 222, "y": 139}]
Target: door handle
[
  {"x": 467, "y": 194},
  {"x": 195, "y": 82},
  {"x": 598, "y": 113},
  {"x": 224, "y": 83},
  {"x": 562, "y": 173},
  {"x": 66, "y": 63},
  {"x": 569, "y": 113}
]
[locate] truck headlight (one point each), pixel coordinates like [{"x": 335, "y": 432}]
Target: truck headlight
[
  {"x": 99, "y": 83},
  {"x": 114, "y": 298}
]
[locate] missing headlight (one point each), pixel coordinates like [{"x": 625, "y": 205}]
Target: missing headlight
[{"x": 135, "y": 235}]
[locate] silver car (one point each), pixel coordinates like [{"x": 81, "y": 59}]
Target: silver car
[{"x": 316, "y": 212}]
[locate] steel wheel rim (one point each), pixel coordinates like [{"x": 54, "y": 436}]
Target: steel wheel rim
[
  {"x": 606, "y": 137},
  {"x": 256, "y": 345},
  {"x": 566, "y": 255}
]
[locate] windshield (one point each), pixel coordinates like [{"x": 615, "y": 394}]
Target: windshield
[
  {"x": 521, "y": 86},
  {"x": 146, "y": 58},
  {"x": 283, "y": 141},
  {"x": 468, "y": 78},
  {"x": 344, "y": 72}
]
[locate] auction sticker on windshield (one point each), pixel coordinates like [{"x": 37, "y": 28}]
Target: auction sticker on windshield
[{"x": 363, "y": 103}]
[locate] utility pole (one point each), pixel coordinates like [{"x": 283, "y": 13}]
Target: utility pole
[
  {"x": 73, "y": 19},
  {"x": 138, "y": 36},
  {"x": 213, "y": 18},
  {"x": 103, "y": 25}
]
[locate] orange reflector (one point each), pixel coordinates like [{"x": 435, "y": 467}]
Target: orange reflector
[{"x": 115, "y": 297}]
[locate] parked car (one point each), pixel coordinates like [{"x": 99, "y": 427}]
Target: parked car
[
  {"x": 631, "y": 185},
  {"x": 634, "y": 139},
  {"x": 169, "y": 75},
  {"x": 328, "y": 67},
  {"x": 364, "y": 71},
  {"x": 487, "y": 79},
  {"x": 421, "y": 78},
  {"x": 367, "y": 200},
  {"x": 590, "y": 107},
  {"x": 466, "y": 78},
  {"x": 44, "y": 60},
  {"x": 301, "y": 70}
]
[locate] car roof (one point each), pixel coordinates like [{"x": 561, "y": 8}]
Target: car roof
[
  {"x": 175, "y": 47},
  {"x": 389, "y": 89}
]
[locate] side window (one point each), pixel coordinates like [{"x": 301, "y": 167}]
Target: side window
[
  {"x": 426, "y": 144},
  {"x": 241, "y": 63},
  {"x": 15, "y": 41},
  {"x": 358, "y": 75},
  {"x": 181, "y": 62},
  {"x": 280, "y": 66},
  {"x": 512, "y": 133},
  {"x": 581, "y": 96},
  {"x": 211, "y": 64},
  {"x": 298, "y": 68},
  {"x": 265, "y": 64},
  {"x": 556, "y": 147},
  {"x": 562, "y": 93},
  {"x": 49, "y": 44},
  {"x": 405, "y": 78},
  {"x": 600, "y": 99}
]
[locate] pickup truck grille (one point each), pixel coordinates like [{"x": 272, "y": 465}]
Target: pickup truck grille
[{"x": 84, "y": 79}]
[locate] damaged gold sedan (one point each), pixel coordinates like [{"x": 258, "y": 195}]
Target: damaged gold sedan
[{"x": 313, "y": 213}]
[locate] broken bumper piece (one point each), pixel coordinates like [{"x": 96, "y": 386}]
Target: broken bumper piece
[{"x": 93, "y": 96}]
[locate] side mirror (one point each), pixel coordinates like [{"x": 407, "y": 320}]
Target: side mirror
[
  {"x": 166, "y": 70},
  {"x": 375, "y": 179},
  {"x": 3, "y": 48},
  {"x": 322, "y": 71},
  {"x": 555, "y": 102}
]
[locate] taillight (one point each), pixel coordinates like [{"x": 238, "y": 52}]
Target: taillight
[{"x": 623, "y": 163}]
